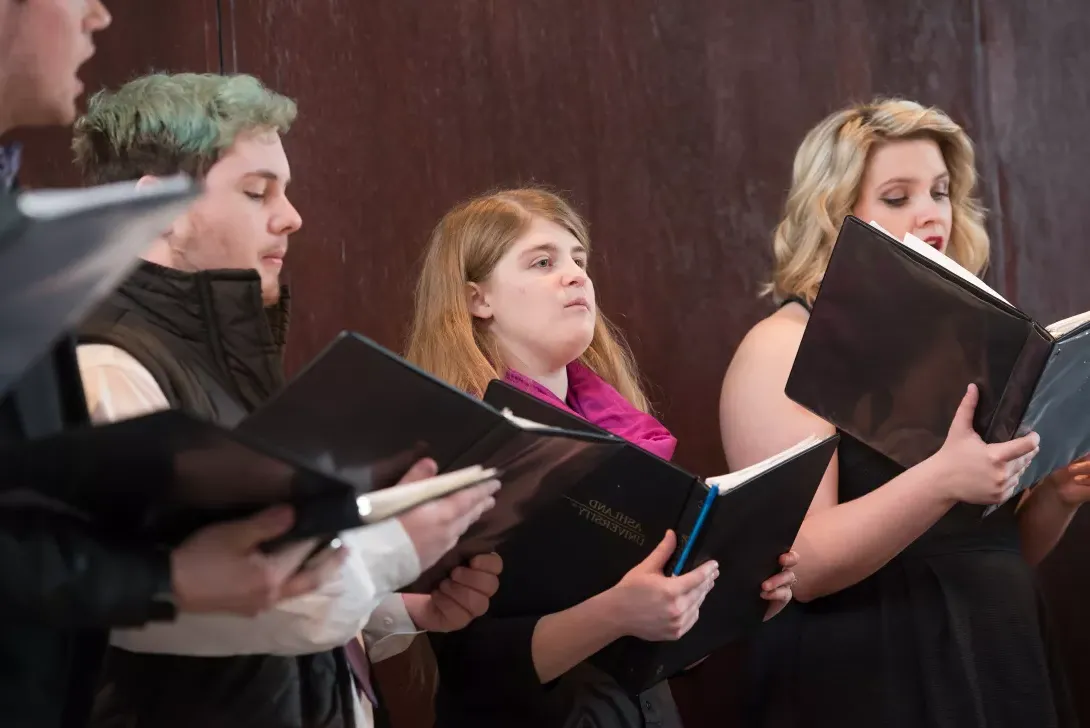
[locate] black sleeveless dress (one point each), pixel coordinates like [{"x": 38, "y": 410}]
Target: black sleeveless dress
[{"x": 950, "y": 634}]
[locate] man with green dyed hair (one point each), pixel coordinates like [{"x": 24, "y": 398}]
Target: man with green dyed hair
[
  {"x": 201, "y": 326},
  {"x": 224, "y": 129},
  {"x": 63, "y": 585}
]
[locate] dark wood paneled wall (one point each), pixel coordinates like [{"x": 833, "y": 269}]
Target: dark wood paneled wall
[
  {"x": 1038, "y": 101},
  {"x": 672, "y": 126}
]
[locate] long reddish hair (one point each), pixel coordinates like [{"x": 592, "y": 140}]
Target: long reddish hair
[{"x": 448, "y": 341}]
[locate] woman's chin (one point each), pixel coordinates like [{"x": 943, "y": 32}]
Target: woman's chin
[{"x": 571, "y": 349}]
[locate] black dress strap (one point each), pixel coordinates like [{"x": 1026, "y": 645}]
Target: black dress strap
[{"x": 799, "y": 300}]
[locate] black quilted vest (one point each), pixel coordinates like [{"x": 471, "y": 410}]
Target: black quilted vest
[{"x": 216, "y": 352}]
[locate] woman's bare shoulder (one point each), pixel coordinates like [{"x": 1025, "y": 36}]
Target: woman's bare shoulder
[{"x": 774, "y": 338}]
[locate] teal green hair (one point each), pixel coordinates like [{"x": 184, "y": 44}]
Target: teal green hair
[{"x": 163, "y": 124}]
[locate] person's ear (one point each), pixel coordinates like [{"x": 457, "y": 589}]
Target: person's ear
[
  {"x": 477, "y": 301},
  {"x": 159, "y": 252},
  {"x": 148, "y": 180}
]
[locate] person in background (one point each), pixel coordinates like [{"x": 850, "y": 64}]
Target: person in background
[
  {"x": 200, "y": 326},
  {"x": 62, "y": 586},
  {"x": 910, "y": 609},
  {"x": 505, "y": 293}
]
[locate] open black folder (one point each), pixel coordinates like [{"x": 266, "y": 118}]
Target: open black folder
[
  {"x": 333, "y": 443},
  {"x": 360, "y": 411},
  {"x": 63, "y": 251},
  {"x": 160, "y": 477},
  {"x": 618, "y": 514},
  {"x": 899, "y": 330}
]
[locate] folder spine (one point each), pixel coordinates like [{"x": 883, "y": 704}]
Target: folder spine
[
  {"x": 687, "y": 521},
  {"x": 1016, "y": 396}
]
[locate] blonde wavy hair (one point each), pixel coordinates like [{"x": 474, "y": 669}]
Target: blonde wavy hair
[
  {"x": 465, "y": 247},
  {"x": 827, "y": 177}
]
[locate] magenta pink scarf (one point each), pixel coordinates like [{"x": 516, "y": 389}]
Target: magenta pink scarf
[{"x": 591, "y": 397}]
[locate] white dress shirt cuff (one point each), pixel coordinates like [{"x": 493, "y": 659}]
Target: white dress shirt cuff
[{"x": 390, "y": 630}]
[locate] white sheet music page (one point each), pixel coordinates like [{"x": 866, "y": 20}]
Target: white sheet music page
[{"x": 929, "y": 252}]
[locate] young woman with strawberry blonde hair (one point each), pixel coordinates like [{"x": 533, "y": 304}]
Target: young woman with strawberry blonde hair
[{"x": 505, "y": 293}]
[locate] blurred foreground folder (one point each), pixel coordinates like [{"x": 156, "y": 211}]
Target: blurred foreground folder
[
  {"x": 159, "y": 477},
  {"x": 63, "y": 251}
]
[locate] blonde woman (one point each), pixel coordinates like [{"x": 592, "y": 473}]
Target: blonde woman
[
  {"x": 505, "y": 293},
  {"x": 913, "y": 611}
]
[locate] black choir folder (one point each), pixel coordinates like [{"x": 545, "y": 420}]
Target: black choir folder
[
  {"x": 63, "y": 251},
  {"x": 333, "y": 443},
  {"x": 159, "y": 477},
  {"x": 618, "y": 514},
  {"x": 359, "y": 409},
  {"x": 899, "y": 330}
]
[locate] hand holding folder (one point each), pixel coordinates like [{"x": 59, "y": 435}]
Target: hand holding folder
[
  {"x": 897, "y": 332},
  {"x": 435, "y": 525},
  {"x": 974, "y": 471},
  {"x": 656, "y": 607},
  {"x": 614, "y": 518},
  {"x": 217, "y": 570},
  {"x": 1072, "y": 484},
  {"x": 778, "y": 589}
]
